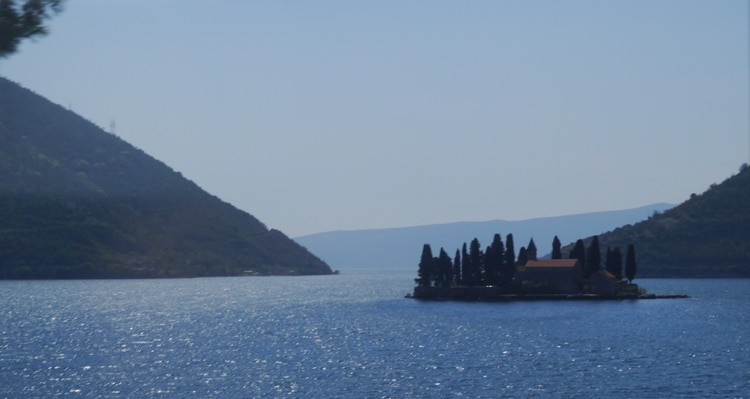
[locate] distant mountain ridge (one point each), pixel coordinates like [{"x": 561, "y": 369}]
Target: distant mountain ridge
[
  {"x": 708, "y": 235},
  {"x": 78, "y": 202},
  {"x": 400, "y": 248}
]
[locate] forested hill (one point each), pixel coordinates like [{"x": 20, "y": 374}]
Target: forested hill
[
  {"x": 78, "y": 202},
  {"x": 706, "y": 236}
]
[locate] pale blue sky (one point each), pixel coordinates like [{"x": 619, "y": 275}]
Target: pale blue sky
[{"x": 338, "y": 115}]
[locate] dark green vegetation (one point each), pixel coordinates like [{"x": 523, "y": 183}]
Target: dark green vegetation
[
  {"x": 497, "y": 264},
  {"x": 77, "y": 202},
  {"x": 22, "y": 21},
  {"x": 706, "y": 236},
  {"x": 495, "y": 273}
]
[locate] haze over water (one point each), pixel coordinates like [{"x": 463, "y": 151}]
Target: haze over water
[
  {"x": 354, "y": 336},
  {"x": 335, "y": 115}
]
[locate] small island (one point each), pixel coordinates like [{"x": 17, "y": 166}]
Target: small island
[{"x": 496, "y": 274}]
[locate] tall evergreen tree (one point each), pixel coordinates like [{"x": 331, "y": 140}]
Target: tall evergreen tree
[
  {"x": 457, "y": 268},
  {"x": 509, "y": 266},
  {"x": 510, "y": 251},
  {"x": 593, "y": 257},
  {"x": 465, "y": 266},
  {"x": 614, "y": 262},
  {"x": 578, "y": 252},
  {"x": 445, "y": 269},
  {"x": 487, "y": 267},
  {"x": 494, "y": 258},
  {"x": 531, "y": 250},
  {"x": 475, "y": 256},
  {"x": 424, "y": 272},
  {"x": 630, "y": 265},
  {"x": 522, "y": 257},
  {"x": 556, "y": 254},
  {"x": 617, "y": 268}
]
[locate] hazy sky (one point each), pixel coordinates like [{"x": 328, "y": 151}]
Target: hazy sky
[{"x": 338, "y": 115}]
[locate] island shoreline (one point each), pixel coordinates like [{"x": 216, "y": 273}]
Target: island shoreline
[{"x": 544, "y": 297}]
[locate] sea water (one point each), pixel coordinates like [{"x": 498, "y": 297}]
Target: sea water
[{"x": 355, "y": 336}]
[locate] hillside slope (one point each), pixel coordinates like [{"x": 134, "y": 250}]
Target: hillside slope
[
  {"x": 399, "y": 248},
  {"x": 77, "y": 202},
  {"x": 706, "y": 236}
]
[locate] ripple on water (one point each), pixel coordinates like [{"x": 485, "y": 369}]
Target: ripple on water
[{"x": 353, "y": 337}]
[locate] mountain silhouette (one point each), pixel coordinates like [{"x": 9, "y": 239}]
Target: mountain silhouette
[{"x": 78, "y": 202}]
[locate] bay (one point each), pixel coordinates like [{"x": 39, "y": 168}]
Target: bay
[{"x": 355, "y": 336}]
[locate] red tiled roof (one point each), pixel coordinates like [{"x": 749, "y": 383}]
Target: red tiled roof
[{"x": 552, "y": 263}]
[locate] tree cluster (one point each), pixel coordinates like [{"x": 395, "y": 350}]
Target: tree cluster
[
  {"x": 496, "y": 265},
  {"x": 472, "y": 266},
  {"x": 590, "y": 258}
]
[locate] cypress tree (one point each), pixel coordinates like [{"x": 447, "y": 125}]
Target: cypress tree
[
  {"x": 424, "y": 275},
  {"x": 475, "y": 255},
  {"x": 488, "y": 262},
  {"x": 522, "y": 257},
  {"x": 445, "y": 267},
  {"x": 531, "y": 250},
  {"x": 509, "y": 266},
  {"x": 457, "y": 268},
  {"x": 465, "y": 266},
  {"x": 510, "y": 252},
  {"x": 593, "y": 257},
  {"x": 630, "y": 266},
  {"x": 578, "y": 252},
  {"x": 494, "y": 258},
  {"x": 556, "y": 254},
  {"x": 614, "y": 263}
]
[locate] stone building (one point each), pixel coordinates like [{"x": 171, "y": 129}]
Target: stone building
[
  {"x": 602, "y": 282},
  {"x": 561, "y": 276}
]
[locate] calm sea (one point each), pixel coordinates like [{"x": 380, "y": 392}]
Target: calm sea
[{"x": 354, "y": 336}]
